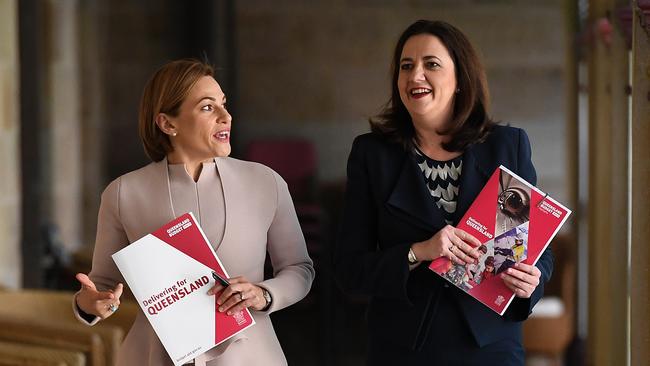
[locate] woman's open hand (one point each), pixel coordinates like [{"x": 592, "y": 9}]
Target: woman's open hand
[
  {"x": 239, "y": 295},
  {"x": 99, "y": 303},
  {"x": 453, "y": 243}
]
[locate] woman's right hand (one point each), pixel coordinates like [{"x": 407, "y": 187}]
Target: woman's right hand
[
  {"x": 456, "y": 244},
  {"x": 98, "y": 303}
]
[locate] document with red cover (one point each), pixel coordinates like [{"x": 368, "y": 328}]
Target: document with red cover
[
  {"x": 515, "y": 222},
  {"x": 169, "y": 272}
]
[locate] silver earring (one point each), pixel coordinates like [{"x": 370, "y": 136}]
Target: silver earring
[
  {"x": 174, "y": 134},
  {"x": 457, "y": 90}
]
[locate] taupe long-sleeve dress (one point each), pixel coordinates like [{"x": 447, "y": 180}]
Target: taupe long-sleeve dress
[{"x": 245, "y": 210}]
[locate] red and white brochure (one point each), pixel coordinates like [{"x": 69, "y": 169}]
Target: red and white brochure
[
  {"x": 169, "y": 272},
  {"x": 515, "y": 222}
]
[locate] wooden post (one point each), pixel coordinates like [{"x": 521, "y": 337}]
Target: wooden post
[
  {"x": 608, "y": 188},
  {"x": 640, "y": 195}
]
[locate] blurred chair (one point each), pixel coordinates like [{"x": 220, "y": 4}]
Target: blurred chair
[
  {"x": 13, "y": 354},
  {"x": 294, "y": 159},
  {"x": 52, "y": 336},
  {"x": 551, "y": 326},
  {"x": 47, "y": 309}
]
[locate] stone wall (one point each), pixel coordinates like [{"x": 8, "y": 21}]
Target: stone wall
[{"x": 319, "y": 70}]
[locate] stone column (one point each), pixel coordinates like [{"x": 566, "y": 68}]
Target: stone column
[
  {"x": 95, "y": 116},
  {"x": 63, "y": 73},
  {"x": 63, "y": 111},
  {"x": 10, "y": 264}
]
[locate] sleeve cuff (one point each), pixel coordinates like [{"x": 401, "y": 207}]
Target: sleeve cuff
[{"x": 87, "y": 319}]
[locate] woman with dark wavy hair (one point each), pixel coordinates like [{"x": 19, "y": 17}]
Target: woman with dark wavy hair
[{"x": 410, "y": 180}]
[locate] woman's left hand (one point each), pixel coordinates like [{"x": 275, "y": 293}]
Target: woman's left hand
[
  {"x": 522, "y": 279},
  {"x": 239, "y": 295}
]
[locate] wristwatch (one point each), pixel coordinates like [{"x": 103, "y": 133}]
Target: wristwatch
[
  {"x": 411, "y": 257},
  {"x": 268, "y": 298}
]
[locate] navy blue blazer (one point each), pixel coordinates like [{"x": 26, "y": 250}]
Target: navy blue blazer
[{"x": 388, "y": 208}]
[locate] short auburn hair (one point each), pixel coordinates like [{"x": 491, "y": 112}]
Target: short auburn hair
[
  {"x": 164, "y": 93},
  {"x": 470, "y": 121}
]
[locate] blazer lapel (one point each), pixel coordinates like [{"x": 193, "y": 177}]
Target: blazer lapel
[{"x": 411, "y": 200}]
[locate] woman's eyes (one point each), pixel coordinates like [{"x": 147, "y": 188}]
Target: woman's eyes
[
  {"x": 429, "y": 65},
  {"x": 210, "y": 107}
]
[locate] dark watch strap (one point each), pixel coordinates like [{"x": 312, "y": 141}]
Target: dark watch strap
[{"x": 268, "y": 298}]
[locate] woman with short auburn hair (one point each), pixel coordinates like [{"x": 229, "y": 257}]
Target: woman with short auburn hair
[{"x": 185, "y": 129}]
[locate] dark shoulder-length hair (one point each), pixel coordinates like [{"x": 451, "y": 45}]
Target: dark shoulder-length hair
[{"x": 470, "y": 121}]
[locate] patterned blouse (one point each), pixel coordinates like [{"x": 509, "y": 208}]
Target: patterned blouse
[{"x": 442, "y": 179}]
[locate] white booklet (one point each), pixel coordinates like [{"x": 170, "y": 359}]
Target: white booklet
[{"x": 169, "y": 272}]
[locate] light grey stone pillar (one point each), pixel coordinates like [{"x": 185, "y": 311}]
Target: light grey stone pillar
[
  {"x": 10, "y": 264},
  {"x": 64, "y": 117}
]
